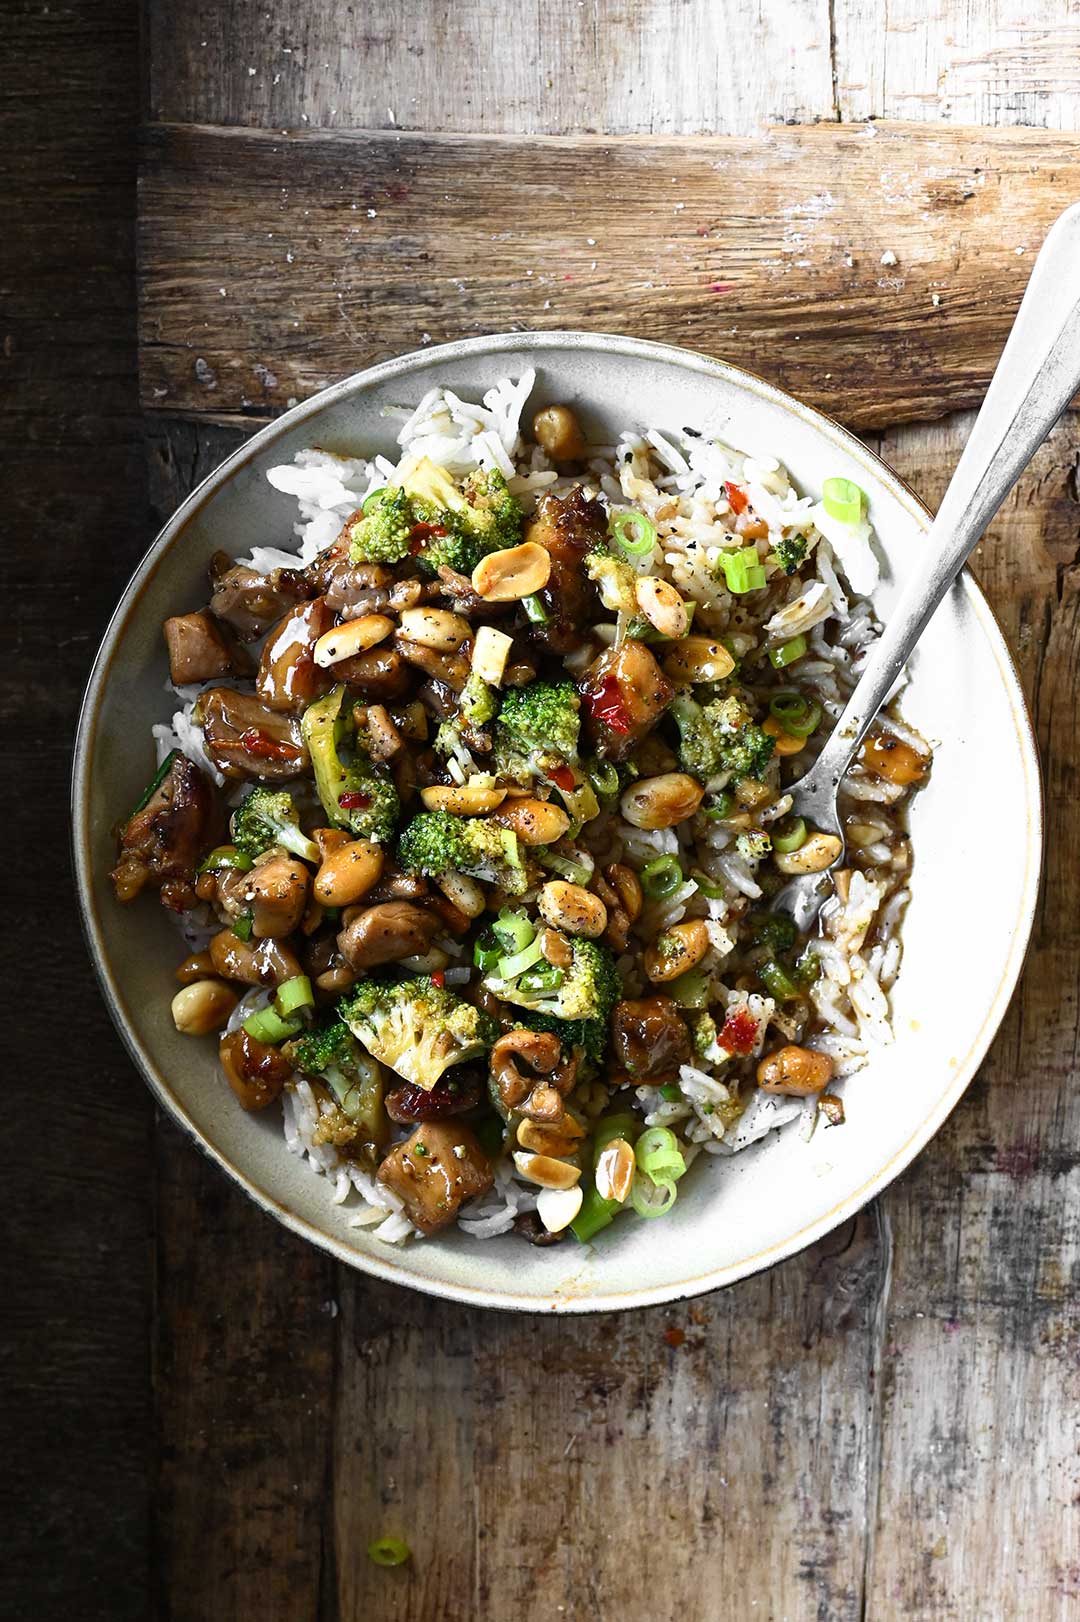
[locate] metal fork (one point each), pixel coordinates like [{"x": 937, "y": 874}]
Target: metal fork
[{"x": 1036, "y": 377}]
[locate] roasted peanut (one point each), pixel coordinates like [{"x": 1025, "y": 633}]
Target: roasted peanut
[
  {"x": 383, "y": 734},
  {"x": 662, "y": 606},
  {"x": 556, "y": 949},
  {"x": 463, "y": 892},
  {"x": 627, "y": 886},
  {"x": 795, "y": 1071},
  {"x": 558, "y": 432},
  {"x": 819, "y": 852},
  {"x": 348, "y": 873},
  {"x": 784, "y": 743},
  {"x": 886, "y": 756},
  {"x": 661, "y": 802},
  {"x": 536, "y": 822},
  {"x": 462, "y": 800},
  {"x": 202, "y": 1007},
  {"x": 195, "y": 967},
  {"x": 698, "y": 658},
  {"x": 266, "y": 964},
  {"x": 512, "y": 573},
  {"x": 557, "y": 1141},
  {"x": 678, "y": 949},
  {"x": 435, "y": 628},
  {"x": 557, "y": 1207},
  {"x": 572, "y": 908},
  {"x": 615, "y": 1170},
  {"x": 546, "y": 1171},
  {"x": 355, "y": 636}
]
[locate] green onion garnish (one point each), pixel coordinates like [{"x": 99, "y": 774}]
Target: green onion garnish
[
  {"x": 661, "y": 877},
  {"x": 388, "y": 1552},
  {"x": 775, "y": 930},
  {"x": 267, "y": 1025},
  {"x": 710, "y": 889},
  {"x": 373, "y": 499},
  {"x": 546, "y": 977},
  {"x": 225, "y": 856},
  {"x": 792, "y": 838},
  {"x": 604, "y": 777},
  {"x": 576, "y": 872},
  {"x": 777, "y": 982},
  {"x": 633, "y": 533},
  {"x": 653, "y": 1196},
  {"x": 658, "y": 1154},
  {"x": 671, "y": 1092},
  {"x": 743, "y": 570},
  {"x": 486, "y": 957},
  {"x": 807, "y": 967},
  {"x": 596, "y": 1212},
  {"x": 690, "y": 990},
  {"x": 155, "y": 783},
  {"x": 513, "y": 930},
  {"x": 508, "y": 968},
  {"x": 797, "y": 715},
  {"x": 294, "y": 994},
  {"x": 242, "y": 926},
  {"x": 722, "y": 806},
  {"x": 787, "y": 652},
  {"x": 843, "y": 500},
  {"x": 534, "y": 609}
]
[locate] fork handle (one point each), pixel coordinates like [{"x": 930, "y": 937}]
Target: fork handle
[{"x": 1035, "y": 379}]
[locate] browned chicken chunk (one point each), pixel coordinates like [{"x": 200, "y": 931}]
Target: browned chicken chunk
[
  {"x": 244, "y": 738},
  {"x": 199, "y": 650},
  {"x": 624, "y": 693},
  {"x": 255, "y": 1072},
  {"x": 250, "y": 602},
  {"x": 162, "y": 842},
  {"x": 435, "y": 1171},
  {"x": 566, "y": 529},
  {"x": 649, "y": 1037},
  {"x": 289, "y": 679}
]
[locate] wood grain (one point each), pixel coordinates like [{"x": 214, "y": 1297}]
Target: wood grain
[{"x": 273, "y": 264}]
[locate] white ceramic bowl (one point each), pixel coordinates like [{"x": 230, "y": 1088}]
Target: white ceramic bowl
[{"x": 976, "y": 829}]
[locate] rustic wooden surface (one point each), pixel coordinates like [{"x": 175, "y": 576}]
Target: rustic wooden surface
[
  {"x": 210, "y": 1420},
  {"x": 873, "y": 270}
]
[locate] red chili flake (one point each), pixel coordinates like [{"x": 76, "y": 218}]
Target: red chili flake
[
  {"x": 738, "y": 500},
  {"x": 263, "y": 747},
  {"x": 354, "y": 800},
  {"x": 674, "y": 1336},
  {"x": 563, "y": 778},
  {"x": 422, "y": 532},
  {"x": 740, "y": 1031},
  {"x": 606, "y": 705},
  {"x": 438, "y": 979}
]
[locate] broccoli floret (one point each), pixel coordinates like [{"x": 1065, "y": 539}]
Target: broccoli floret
[
  {"x": 477, "y": 704},
  {"x": 720, "y": 737},
  {"x": 435, "y": 843},
  {"x": 333, "y": 1054},
  {"x": 615, "y": 580},
  {"x": 355, "y": 793},
  {"x": 587, "y": 990},
  {"x": 478, "y": 701},
  {"x": 269, "y": 817},
  {"x": 704, "y": 1033},
  {"x": 754, "y": 845},
  {"x": 381, "y": 533},
  {"x": 537, "y": 726},
  {"x": 465, "y": 522},
  {"x": 417, "y": 1028},
  {"x": 790, "y": 552}
]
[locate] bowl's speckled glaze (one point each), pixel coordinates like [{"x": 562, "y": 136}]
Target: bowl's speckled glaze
[{"x": 975, "y": 882}]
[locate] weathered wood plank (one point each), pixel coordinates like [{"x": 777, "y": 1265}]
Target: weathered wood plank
[
  {"x": 272, "y": 264},
  {"x": 491, "y": 67}
]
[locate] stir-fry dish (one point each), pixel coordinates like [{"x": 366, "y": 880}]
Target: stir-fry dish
[{"x": 475, "y": 802}]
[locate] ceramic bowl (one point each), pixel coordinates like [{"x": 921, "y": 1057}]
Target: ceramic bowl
[{"x": 973, "y": 894}]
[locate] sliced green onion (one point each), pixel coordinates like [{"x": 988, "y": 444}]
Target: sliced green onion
[
  {"x": 792, "y": 838},
  {"x": 743, "y": 570},
  {"x": 242, "y": 926},
  {"x": 633, "y": 533},
  {"x": 534, "y": 609},
  {"x": 807, "y": 967},
  {"x": 787, "y": 652},
  {"x": 509, "y": 968},
  {"x": 294, "y": 994},
  {"x": 158, "y": 778},
  {"x": 653, "y": 1197},
  {"x": 843, "y": 500},
  {"x": 225, "y": 856},
  {"x": 596, "y": 1212},
  {"x": 548, "y": 977},
  {"x": 671, "y": 1092},
  {"x": 373, "y": 499},
  {"x": 774, "y": 930},
  {"x": 485, "y": 957},
  {"x": 657, "y": 1153},
  {"x": 710, "y": 888},
  {"x": 797, "y": 714},
  {"x": 661, "y": 877},
  {"x": 690, "y": 990},
  {"x": 580, "y": 802},
  {"x": 513, "y": 930},
  {"x": 576, "y": 872},
  {"x": 777, "y": 982},
  {"x": 721, "y": 808},
  {"x": 604, "y": 777},
  {"x": 267, "y": 1025},
  {"x": 389, "y": 1552}
]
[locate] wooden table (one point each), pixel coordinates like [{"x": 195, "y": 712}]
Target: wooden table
[{"x": 211, "y": 1420}]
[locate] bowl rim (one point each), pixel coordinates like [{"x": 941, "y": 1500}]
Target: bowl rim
[{"x": 511, "y": 344}]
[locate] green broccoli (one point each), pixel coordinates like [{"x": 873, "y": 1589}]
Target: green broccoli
[
  {"x": 381, "y": 532},
  {"x": 417, "y": 1028},
  {"x": 477, "y": 704},
  {"x": 331, "y": 1053},
  {"x": 478, "y": 701},
  {"x": 269, "y": 817},
  {"x": 790, "y": 551},
  {"x": 537, "y": 727},
  {"x": 462, "y": 523},
  {"x": 587, "y": 990},
  {"x": 615, "y": 580},
  {"x": 435, "y": 843},
  {"x": 355, "y": 793},
  {"x": 720, "y": 737},
  {"x": 704, "y": 1034}
]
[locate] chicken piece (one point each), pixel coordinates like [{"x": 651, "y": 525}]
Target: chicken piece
[
  {"x": 244, "y": 738},
  {"x": 161, "y": 842},
  {"x": 277, "y": 887},
  {"x": 624, "y": 693},
  {"x": 435, "y": 1171},
  {"x": 350, "y": 588},
  {"x": 199, "y": 650},
  {"x": 289, "y": 679},
  {"x": 255, "y": 1071},
  {"x": 566, "y": 529},
  {"x": 380, "y": 674},
  {"x": 251, "y": 602},
  {"x": 649, "y": 1037}
]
